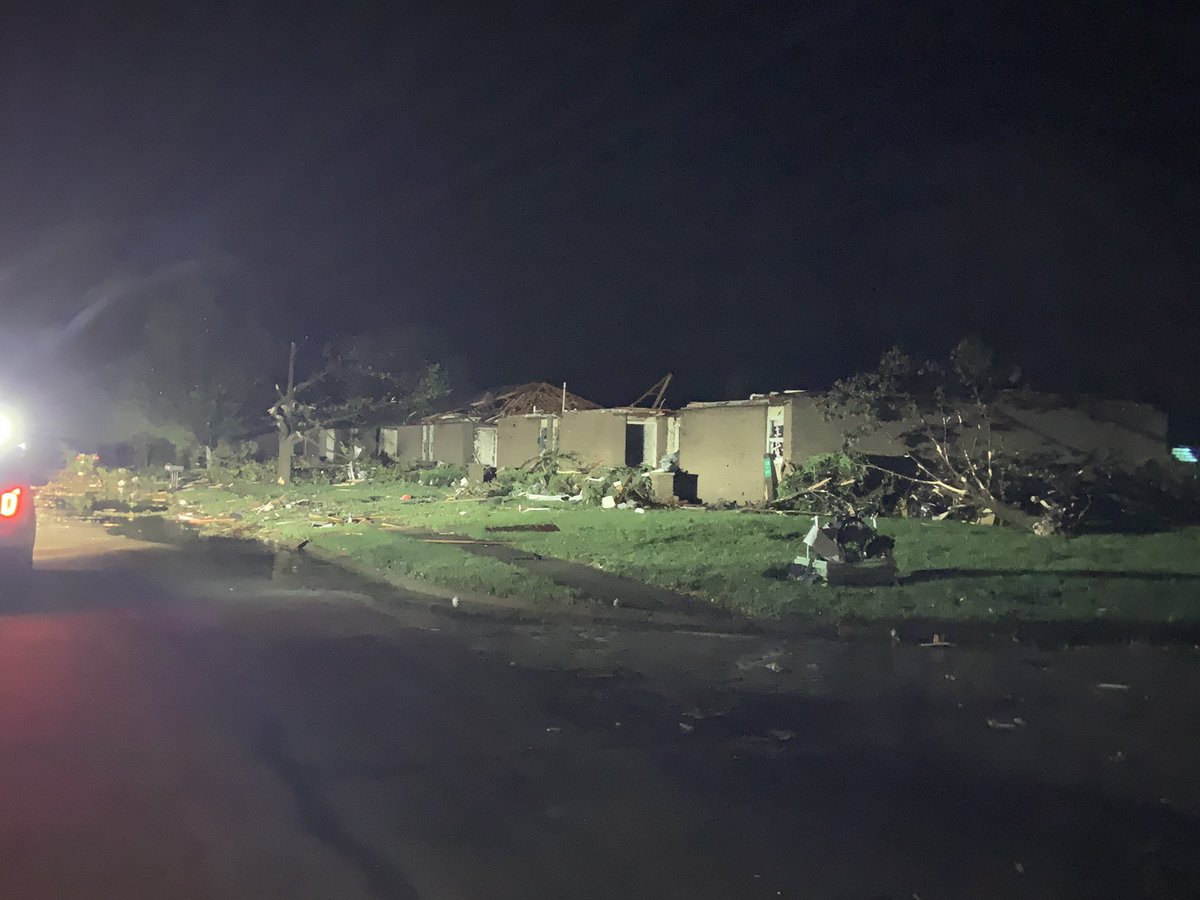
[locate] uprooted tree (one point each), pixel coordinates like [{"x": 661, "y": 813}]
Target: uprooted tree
[
  {"x": 940, "y": 412},
  {"x": 350, "y": 384}
]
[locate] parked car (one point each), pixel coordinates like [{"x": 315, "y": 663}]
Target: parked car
[{"x": 18, "y": 513}]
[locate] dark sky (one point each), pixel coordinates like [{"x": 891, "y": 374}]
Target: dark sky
[{"x": 755, "y": 195}]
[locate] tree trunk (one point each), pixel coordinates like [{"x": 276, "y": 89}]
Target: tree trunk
[
  {"x": 282, "y": 411},
  {"x": 1005, "y": 512},
  {"x": 1013, "y": 515},
  {"x": 284, "y": 464}
]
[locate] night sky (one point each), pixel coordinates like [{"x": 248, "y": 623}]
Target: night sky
[{"x": 754, "y": 195}]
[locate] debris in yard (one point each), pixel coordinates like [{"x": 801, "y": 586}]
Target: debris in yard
[
  {"x": 848, "y": 551},
  {"x": 937, "y": 642},
  {"x": 766, "y": 661},
  {"x": 454, "y": 602},
  {"x": 608, "y": 502},
  {"x": 1002, "y": 725},
  {"x": 1111, "y": 686},
  {"x": 541, "y": 526},
  {"x": 205, "y": 520}
]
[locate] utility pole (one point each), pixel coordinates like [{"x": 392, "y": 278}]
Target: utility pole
[{"x": 283, "y": 411}]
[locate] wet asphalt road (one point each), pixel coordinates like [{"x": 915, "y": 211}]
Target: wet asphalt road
[{"x": 212, "y": 721}]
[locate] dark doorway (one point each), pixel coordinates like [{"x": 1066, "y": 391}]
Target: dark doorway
[{"x": 635, "y": 444}]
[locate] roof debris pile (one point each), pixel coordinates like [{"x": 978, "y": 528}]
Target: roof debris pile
[{"x": 519, "y": 400}]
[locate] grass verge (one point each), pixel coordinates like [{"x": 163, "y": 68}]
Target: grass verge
[{"x": 736, "y": 559}]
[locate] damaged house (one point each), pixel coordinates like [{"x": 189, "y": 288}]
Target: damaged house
[
  {"x": 725, "y": 443},
  {"x": 503, "y": 427}
]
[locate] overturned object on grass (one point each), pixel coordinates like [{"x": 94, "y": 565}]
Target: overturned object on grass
[{"x": 847, "y": 551}]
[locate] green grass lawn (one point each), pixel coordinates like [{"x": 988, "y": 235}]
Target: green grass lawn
[{"x": 737, "y": 559}]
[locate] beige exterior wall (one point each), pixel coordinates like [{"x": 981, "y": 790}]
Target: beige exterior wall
[
  {"x": 595, "y": 436},
  {"x": 809, "y": 433},
  {"x": 408, "y": 444},
  {"x": 724, "y": 446},
  {"x": 1132, "y": 433},
  {"x": 517, "y": 438},
  {"x": 453, "y": 443}
]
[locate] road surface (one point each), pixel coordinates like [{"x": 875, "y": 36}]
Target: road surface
[{"x": 212, "y": 721}]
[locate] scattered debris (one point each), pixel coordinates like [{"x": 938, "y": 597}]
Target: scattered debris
[
  {"x": 847, "y": 551},
  {"x": 541, "y": 526},
  {"x": 205, "y": 520},
  {"x": 686, "y": 728},
  {"x": 768, "y": 660},
  {"x": 782, "y": 734},
  {"x": 1002, "y": 725},
  {"x": 552, "y": 729},
  {"x": 1111, "y": 686},
  {"x": 937, "y": 641},
  {"x": 1020, "y": 867},
  {"x": 454, "y": 602}
]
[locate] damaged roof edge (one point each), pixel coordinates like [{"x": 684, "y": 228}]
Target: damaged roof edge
[{"x": 754, "y": 399}]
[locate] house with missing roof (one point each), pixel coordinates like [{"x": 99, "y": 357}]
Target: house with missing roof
[{"x": 726, "y": 444}]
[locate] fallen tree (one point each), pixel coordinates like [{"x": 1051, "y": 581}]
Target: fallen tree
[{"x": 940, "y": 413}]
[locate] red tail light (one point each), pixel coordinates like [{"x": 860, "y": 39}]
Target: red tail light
[{"x": 10, "y": 503}]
